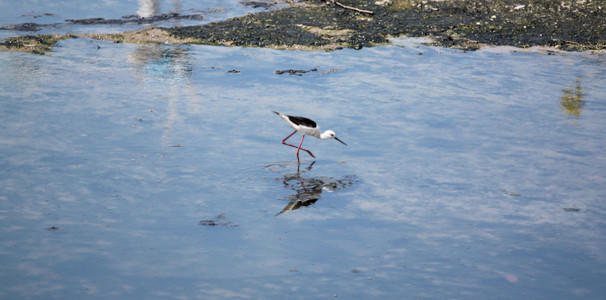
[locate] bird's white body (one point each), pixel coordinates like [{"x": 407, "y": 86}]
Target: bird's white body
[{"x": 306, "y": 129}]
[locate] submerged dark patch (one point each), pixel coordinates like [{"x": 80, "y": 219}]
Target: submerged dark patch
[
  {"x": 218, "y": 221},
  {"x": 29, "y": 26},
  {"x": 134, "y": 19},
  {"x": 295, "y": 72}
]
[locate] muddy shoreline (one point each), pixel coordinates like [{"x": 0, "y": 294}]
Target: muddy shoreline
[{"x": 578, "y": 25}]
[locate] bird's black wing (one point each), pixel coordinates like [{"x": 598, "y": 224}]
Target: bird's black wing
[{"x": 302, "y": 121}]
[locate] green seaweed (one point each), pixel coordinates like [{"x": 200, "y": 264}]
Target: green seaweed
[{"x": 37, "y": 44}]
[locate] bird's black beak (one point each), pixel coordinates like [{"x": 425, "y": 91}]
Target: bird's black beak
[{"x": 342, "y": 142}]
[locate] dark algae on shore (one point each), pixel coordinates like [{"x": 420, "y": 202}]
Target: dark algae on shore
[
  {"x": 568, "y": 25},
  {"x": 464, "y": 24}
]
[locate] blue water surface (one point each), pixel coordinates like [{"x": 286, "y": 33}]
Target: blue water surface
[{"x": 156, "y": 172}]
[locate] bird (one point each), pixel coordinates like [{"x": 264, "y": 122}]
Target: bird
[{"x": 306, "y": 127}]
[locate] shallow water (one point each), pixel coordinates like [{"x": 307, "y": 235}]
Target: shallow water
[
  {"x": 156, "y": 171},
  {"x": 53, "y": 16}
]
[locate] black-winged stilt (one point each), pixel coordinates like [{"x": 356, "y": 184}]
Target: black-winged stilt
[{"x": 306, "y": 127}]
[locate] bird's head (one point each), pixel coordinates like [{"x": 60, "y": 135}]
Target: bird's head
[{"x": 329, "y": 134}]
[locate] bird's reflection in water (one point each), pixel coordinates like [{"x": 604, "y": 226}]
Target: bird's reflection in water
[{"x": 308, "y": 190}]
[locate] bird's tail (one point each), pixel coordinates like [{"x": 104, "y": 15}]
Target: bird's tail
[{"x": 275, "y": 112}]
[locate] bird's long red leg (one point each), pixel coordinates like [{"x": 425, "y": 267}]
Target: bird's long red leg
[
  {"x": 298, "y": 148},
  {"x": 301, "y": 143},
  {"x": 284, "y": 140}
]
